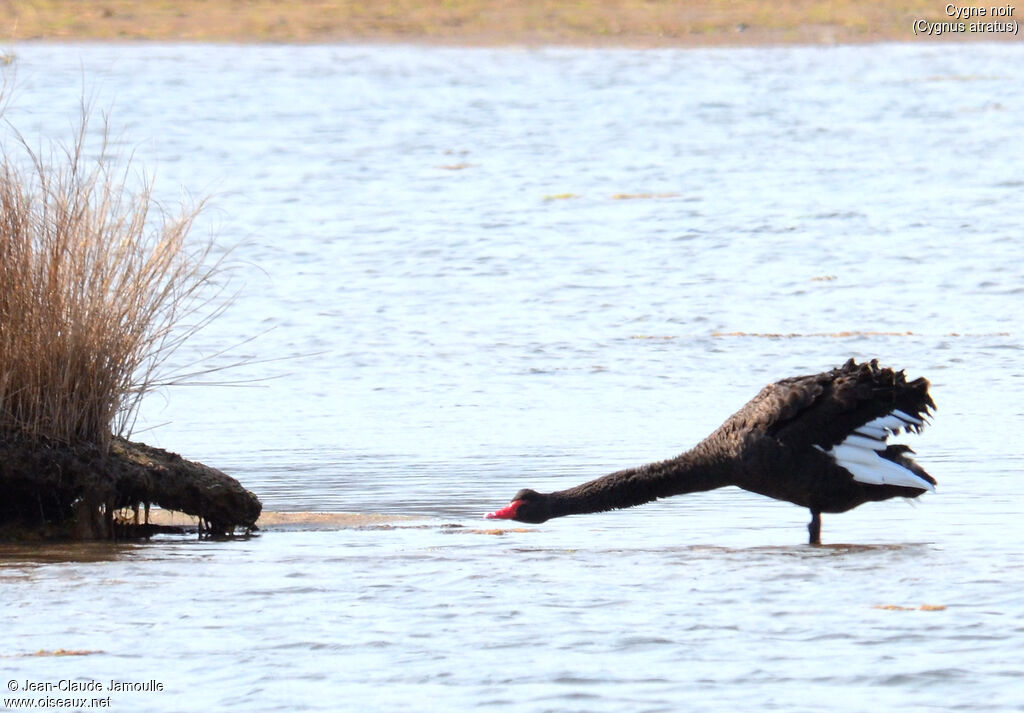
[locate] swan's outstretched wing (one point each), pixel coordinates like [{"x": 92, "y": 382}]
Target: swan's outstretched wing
[
  {"x": 825, "y": 409},
  {"x": 855, "y": 400},
  {"x": 848, "y": 413}
]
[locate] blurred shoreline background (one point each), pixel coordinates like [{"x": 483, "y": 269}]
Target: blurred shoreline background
[{"x": 628, "y": 23}]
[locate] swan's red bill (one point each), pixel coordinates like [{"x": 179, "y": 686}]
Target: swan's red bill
[{"x": 506, "y": 513}]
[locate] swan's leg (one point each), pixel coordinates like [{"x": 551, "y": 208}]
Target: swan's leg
[{"x": 814, "y": 527}]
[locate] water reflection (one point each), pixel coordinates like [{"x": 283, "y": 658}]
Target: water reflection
[{"x": 80, "y": 552}]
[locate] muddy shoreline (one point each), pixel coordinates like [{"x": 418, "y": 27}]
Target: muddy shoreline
[{"x": 82, "y": 491}]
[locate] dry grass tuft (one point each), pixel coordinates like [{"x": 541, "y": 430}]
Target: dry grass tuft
[{"x": 98, "y": 287}]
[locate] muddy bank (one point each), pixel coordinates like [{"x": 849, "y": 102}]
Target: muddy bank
[{"x": 53, "y": 490}]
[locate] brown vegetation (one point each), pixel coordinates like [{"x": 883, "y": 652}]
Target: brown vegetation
[
  {"x": 476, "y": 22},
  {"x": 97, "y": 288},
  {"x": 93, "y": 281}
]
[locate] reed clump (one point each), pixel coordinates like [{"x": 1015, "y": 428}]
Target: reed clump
[{"x": 98, "y": 286}]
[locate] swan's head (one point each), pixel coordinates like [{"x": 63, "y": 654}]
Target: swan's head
[{"x": 527, "y": 506}]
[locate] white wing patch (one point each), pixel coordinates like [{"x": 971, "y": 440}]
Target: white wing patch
[{"x": 860, "y": 453}]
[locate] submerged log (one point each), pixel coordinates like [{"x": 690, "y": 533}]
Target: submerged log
[{"x": 57, "y": 490}]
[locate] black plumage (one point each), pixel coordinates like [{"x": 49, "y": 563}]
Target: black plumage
[{"x": 818, "y": 441}]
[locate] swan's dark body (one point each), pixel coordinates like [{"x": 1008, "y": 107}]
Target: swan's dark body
[{"x": 818, "y": 441}]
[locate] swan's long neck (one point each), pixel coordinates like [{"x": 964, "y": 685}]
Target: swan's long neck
[{"x": 691, "y": 472}]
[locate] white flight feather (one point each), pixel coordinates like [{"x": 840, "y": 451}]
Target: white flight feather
[
  {"x": 860, "y": 454},
  {"x": 890, "y": 422},
  {"x": 882, "y": 471},
  {"x": 906, "y": 417},
  {"x": 871, "y": 431},
  {"x": 873, "y": 444}
]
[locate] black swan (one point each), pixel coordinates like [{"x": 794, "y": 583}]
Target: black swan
[{"x": 818, "y": 441}]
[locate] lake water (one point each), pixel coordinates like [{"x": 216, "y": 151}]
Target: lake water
[{"x": 471, "y": 271}]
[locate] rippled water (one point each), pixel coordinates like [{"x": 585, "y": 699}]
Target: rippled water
[{"x": 491, "y": 269}]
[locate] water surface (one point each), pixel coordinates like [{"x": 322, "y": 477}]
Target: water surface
[{"x": 490, "y": 269}]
